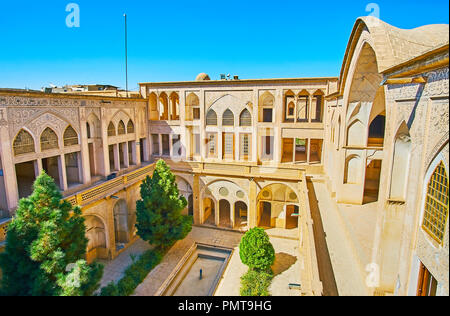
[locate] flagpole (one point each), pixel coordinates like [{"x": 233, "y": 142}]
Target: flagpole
[{"x": 126, "y": 54}]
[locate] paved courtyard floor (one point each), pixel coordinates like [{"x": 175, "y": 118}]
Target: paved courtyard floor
[
  {"x": 114, "y": 269},
  {"x": 286, "y": 269},
  {"x": 209, "y": 236}
]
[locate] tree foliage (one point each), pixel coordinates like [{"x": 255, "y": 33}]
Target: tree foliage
[
  {"x": 158, "y": 214},
  {"x": 256, "y": 251},
  {"x": 256, "y": 283},
  {"x": 46, "y": 246}
]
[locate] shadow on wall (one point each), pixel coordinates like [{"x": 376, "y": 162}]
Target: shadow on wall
[{"x": 283, "y": 262}]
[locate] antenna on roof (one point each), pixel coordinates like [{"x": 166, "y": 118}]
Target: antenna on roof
[{"x": 126, "y": 54}]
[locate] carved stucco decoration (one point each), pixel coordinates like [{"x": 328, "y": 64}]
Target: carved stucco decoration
[
  {"x": 438, "y": 128},
  {"x": 243, "y": 96},
  {"x": 35, "y": 120},
  {"x": 120, "y": 115},
  {"x": 437, "y": 85}
]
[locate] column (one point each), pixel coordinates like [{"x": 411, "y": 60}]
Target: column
[
  {"x": 196, "y": 196},
  {"x": 116, "y": 157},
  {"x": 104, "y": 165},
  {"x": 9, "y": 173},
  {"x": 255, "y": 121},
  {"x": 237, "y": 143},
  {"x": 160, "y": 145},
  {"x": 217, "y": 213},
  {"x": 308, "y": 151},
  {"x": 62, "y": 172},
  {"x": 171, "y": 146},
  {"x": 136, "y": 151},
  {"x": 126, "y": 156},
  {"x": 203, "y": 149},
  {"x": 252, "y": 207},
  {"x": 232, "y": 215},
  {"x": 38, "y": 167},
  {"x": 293, "y": 150},
  {"x": 277, "y": 126},
  {"x": 85, "y": 163},
  {"x": 219, "y": 143}
]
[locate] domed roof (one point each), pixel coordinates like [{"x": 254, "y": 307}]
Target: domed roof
[{"x": 202, "y": 77}]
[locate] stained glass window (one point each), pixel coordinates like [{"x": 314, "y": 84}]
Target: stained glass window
[{"x": 436, "y": 205}]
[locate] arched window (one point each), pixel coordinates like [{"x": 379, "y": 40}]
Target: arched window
[
  {"x": 291, "y": 109},
  {"x": 211, "y": 118},
  {"x": 246, "y": 118},
  {"x": 70, "y": 137},
  {"x": 88, "y": 129},
  {"x": 121, "y": 128},
  {"x": 228, "y": 118},
  {"x": 49, "y": 140},
  {"x": 23, "y": 143},
  {"x": 436, "y": 205},
  {"x": 130, "y": 127},
  {"x": 111, "y": 129}
]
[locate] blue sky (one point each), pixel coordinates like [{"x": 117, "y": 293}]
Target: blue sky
[{"x": 176, "y": 40}]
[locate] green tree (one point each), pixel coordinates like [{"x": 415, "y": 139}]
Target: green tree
[
  {"x": 45, "y": 247},
  {"x": 256, "y": 251},
  {"x": 256, "y": 283},
  {"x": 158, "y": 214}
]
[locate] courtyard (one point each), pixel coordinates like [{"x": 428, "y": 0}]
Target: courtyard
[{"x": 287, "y": 267}]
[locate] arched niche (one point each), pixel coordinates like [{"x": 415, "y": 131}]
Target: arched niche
[{"x": 400, "y": 163}]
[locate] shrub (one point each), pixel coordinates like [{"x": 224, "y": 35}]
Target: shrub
[
  {"x": 256, "y": 251},
  {"x": 46, "y": 247},
  {"x": 134, "y": 275},
  {"x": 158, "y": 214},
  {"x": 255, "y": 283}
]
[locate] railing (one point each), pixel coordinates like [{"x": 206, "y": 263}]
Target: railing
[
  {"x": 241, "y": 169},
  {"x": 102, "y": 190}
]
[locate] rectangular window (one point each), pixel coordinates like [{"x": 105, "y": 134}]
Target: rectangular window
[
  {"x": 316, "y": 111},
  {"x": 302, "y": 108},
  {"x": 245, "y": 146},
  {"x": 176, "y": 145},
  {"x": 211, "y": 145},
  {"x": 267, "y": 150},
  {"x": 427, "y": 285},
  {"x": 155, "y": 145},
  {"x": 196, "y": 113},
  {"x": 267, "y": 115},
  {"x": 165, "y": 145},
  {"x": 197, "y": 144},
  {"x": 228, "y": 145}
]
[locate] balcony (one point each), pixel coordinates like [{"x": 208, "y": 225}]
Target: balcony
[
  {"x": 108, "y": 188},
  {"x": 247, "y": 170}
]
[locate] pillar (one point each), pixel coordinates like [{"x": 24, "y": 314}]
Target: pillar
[
  {"x": 196, "y": 197},
  {"x": 116, "y": 157},
  {"x": 104, "y": 169},
  {"x": 62, "y": 172},
  {"x": 9, "y": 174},
  {"x": 232, "y": 214},
  {"x": 85, "y": 162},
  {"x": 252, "y": 207}
]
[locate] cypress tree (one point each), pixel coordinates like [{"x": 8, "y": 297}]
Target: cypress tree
[
  {"x": 46, "y": 247},
  {"x": 158, "y": 214}
]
